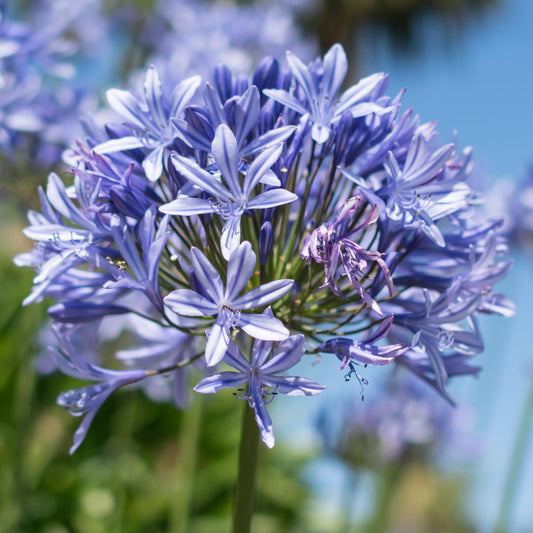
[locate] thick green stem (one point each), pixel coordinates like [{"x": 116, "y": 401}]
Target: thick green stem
[
  {"x": 517, "y": 462},
  {"x": 243, "y": 507}
]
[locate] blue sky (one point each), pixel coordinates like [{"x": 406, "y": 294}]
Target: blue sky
[{"x": 481, "y": 85}]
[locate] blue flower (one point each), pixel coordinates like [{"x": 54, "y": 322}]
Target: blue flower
[
  {"x": 231, "y": 201},
  {"x": 354, "y": 353},
  {"x": 260, "y": 375},
  {"x": 212, "y": 299},
  {"x": 149, "y": 119},
  {"x": 86, "y": 401},
  {"x": 423, "y": 191},
  {"x": 320, "y": 90},
  {"x": 437, "y": 330}
]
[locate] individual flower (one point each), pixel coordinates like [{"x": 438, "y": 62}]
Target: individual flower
[
  {"x": 233, "y": 200},
  {"x": 149, "y": 120},
  {"x": 86, "y": 401},
  {"x": 213, "y": 299},
  {"x": 320, "y": 87},
  {"x": 261, "y": 377}
]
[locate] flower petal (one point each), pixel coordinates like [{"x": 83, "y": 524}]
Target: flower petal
[
  {"x": 293, "y": 385},
  {"x": 190, "y": 303},
  {"x": 231, "y": 236},
  {"x": 217, "y": 343},
  {"x": 200, "y": 177},
  {"x": 187, "y": 206},
  {"x": 272, "y": 198},
  {"x": 263, "y": 327},
  {"x": 207, "y": 276},
  {"x": 241, "y": 266},
  {"x": 288, "y": 354},
  {"x": 264, "y": 294},
  {"x": 226, "y": 156},
  {"x": 118, "y": 145},
  {"x": 263, "y": 420},
  {"x": 222, "y": 380},
  {"x": 259, "y": 167}
]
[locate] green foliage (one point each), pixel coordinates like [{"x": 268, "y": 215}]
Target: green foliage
[{"x": 143, "y": 467}]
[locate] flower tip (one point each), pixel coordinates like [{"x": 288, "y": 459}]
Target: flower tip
[{"x": 268, "y": 439}]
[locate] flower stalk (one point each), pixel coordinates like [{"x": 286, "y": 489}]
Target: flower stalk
[{"x": 243, "y": 506}]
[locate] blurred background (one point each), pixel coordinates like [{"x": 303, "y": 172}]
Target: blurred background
[{"x": 402, "y": 460}]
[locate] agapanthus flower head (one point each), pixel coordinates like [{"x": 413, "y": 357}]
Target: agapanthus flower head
[{"x": 256, "y": 220}]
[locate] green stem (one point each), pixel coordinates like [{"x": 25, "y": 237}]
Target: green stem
[
  {"x": 243, "y": 507},
  {"x": 517, "y": 462},
  {"x": 188, "y": 446}
]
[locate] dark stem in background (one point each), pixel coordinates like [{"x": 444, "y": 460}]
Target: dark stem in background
[{"x": 243, "y": 507}]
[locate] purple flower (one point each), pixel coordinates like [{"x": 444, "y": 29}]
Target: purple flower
[
  {"x": 212, "y": 299},
  {"x": 320, "y": 83},
  {"x": 231, "y": 201},
  {"x": 333, "y": 242},
  {"x": 260, "y": 375},
  {"x": 86, "y": 401},
  {"x": 149, "y": 119}
]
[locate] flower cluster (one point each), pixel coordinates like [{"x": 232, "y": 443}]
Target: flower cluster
[
  {"x": 40, "y": 98},
  {"x": 251, "y": 221}
]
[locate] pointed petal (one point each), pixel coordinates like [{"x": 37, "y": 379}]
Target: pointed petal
[
  {"x": 207, "y": 276},
  {"x": 287, "y": 99},
  {"x": 263, "y": 420},
  {"x": 118, "y": 145},
  {"x": 217, "y": 343},
  {"x": 272, "y": 198},
  {"x": 262, "y": 327},
  {"x": 260, "y": 165},
  {"x": 303, "y": 77},
  {"x": 288, "y": 354},
  {"x": 270, "y": 178},
  {"x": 189, "y": 303},
  {"x": 293, "y": 385},
  {"x": 126, "y": 104},
  {"x": 358, "y": 92},
  {"x": 335, "y": 68},
  {"x": 278, "y": 135},
  {"x": 154, "y": 95},
  {"x": 223, "y": 380},
  {"x": 241, "y": 266},
  {"x": 153, "y": 164},
  {"x": 187, "y": 206},
  {"x": 247, "y": 113},
  {"x": 261, "y": 349},
  {"x": 200, "y": 177},
  {"x": 264, "y": 294},
  {"x": 236, "y": 359},
  {"x": 231, "y": 236},
  {"x": 183, "y": 94},
  {"x": 226, "y": 156}
]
